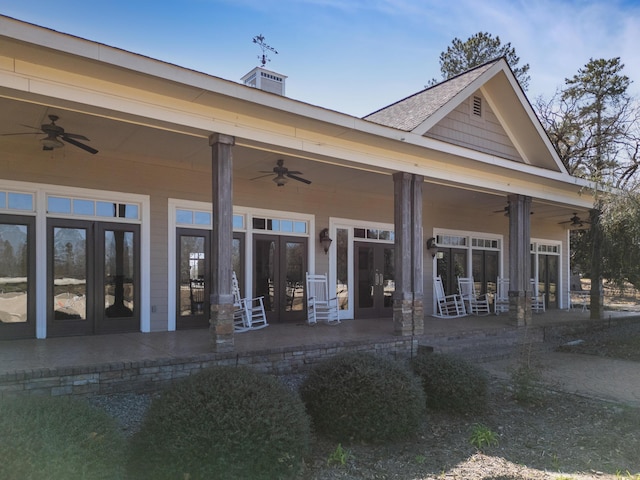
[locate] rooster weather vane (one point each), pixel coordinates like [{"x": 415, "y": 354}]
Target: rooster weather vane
[{"x": 259, "y": 40}]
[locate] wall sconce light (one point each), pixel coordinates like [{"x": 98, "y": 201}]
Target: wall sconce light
[
  {"x": 432, "y": 247},
  {"x": 325, "y": 239}
]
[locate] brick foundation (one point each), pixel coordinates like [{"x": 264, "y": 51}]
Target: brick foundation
[{"x": 153, "y": 375}]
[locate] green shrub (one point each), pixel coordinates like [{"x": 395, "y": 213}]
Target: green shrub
[
  {"x": 451, "y": 384},
  {"x": 363, "y": 397},
  {"x": 226, "y": 423},
  {"x": 58, "y": 438}
]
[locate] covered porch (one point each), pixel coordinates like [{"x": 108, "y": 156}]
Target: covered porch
[{"x": 180, "y": 187}]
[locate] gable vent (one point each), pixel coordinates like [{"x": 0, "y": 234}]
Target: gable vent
[{"x": 477, "y": 106}]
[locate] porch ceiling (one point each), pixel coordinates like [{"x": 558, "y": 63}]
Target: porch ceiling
[{"x": 153, "y": 142}]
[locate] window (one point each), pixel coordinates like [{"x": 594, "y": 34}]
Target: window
[
  {"x": 16, "y": 201},
  {"x": 374, "y": 234},
  {"x": 91, "y": 208},
  {"x": 278, "y": 225}
]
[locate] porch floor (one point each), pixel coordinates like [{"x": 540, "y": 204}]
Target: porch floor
[{"x": 69, "y": 352}]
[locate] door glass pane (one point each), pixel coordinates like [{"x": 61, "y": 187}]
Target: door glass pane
[
  {"x": 552, "y": 286},
  {"x": 119, "y": 273},
  {"x": 295, "y": 252},
  {"x": 236, "y": 261},
  {"x": 542, "y": 274},
  {"x": 477, "y": 270},
  {"x": 70, "y": 273},
  {"x": 342, "y": 284},
  {"x": 265, "y": 273},
  {"x": 366, "y": 274},
  {"x": 14, "y": 273},
  {"x": 491, "y": 273},
  {"x": 389, "y": 284},
  {"x": 192, "y": 275}
]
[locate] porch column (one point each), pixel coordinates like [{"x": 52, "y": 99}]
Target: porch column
[
  {"x": 408, "y": 307},
  {"x": 417, "y": 260},
  {"x": 221, "y": 299},
  {"x": 519, "y": 259}
]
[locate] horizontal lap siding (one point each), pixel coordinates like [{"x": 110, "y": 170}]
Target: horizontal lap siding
[{"x": 485, "y": 135}]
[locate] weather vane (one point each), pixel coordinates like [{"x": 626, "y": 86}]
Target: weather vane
[{"x": 259, "y": 40}]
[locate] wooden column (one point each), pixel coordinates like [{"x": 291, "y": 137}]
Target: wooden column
[
  {"x": 417, "y": 261},
  {"x": 520, "y": 259},
  {"x": 408, "y": 308},
  {"x": 221, "y": 300}
]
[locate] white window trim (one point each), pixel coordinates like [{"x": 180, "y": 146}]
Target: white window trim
[
  {"x": 336, "y": 223},
  {"x": 561, "y": 288},
  {"x": 40, "y": 192}
]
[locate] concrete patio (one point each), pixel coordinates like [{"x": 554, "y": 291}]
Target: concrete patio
[{"x": 138, "y": 361}]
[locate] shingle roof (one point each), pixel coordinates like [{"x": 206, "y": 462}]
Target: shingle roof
[{"x": 412, "y": 111}]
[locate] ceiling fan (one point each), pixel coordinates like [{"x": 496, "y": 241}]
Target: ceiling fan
[
  {"x": 55, "y": 133},
  {"x": 574, "y": 221},
  {"x": 506, "y": 210},
  {"x": 283, "y": 174}
]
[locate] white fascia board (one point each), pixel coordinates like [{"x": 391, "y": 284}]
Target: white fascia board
[{"x": 535, "y": 121}]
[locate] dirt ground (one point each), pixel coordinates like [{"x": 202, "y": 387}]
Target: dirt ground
[{"x": 555, "y": 436}]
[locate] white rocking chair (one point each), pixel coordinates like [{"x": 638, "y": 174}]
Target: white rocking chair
[
  {"x": 319, "y": 306},
  {"x": 537, "y": 299},
  {"x": 248, "y": 313},
  {"x": 449, "y": 306},
  {"x": 501, "y": 303},
  {"x": 474, "y": 304}
]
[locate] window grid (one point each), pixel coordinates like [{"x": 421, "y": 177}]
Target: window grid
[
  {"x": 83, "y": 207},
  {"x": 280, "y": 225}
]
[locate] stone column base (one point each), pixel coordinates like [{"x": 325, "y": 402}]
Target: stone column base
[
  {"x": 402, "y": 317},
  {"x": 520, "y": 308},
  {"x": 221, "y": 327},
  {"x": 408, "y": 317},
  {"x": 418, "y": 317}
]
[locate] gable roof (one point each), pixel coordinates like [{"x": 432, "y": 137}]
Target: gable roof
[
  {"x": 418, "y": 113},
  {"x": 410, "y": 112}
]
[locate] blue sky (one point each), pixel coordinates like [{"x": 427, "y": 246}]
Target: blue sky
[{"x": 353, "y": 56}]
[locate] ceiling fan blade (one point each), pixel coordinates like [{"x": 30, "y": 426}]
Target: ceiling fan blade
[
  {"x": 29, "y": 126},
  {"x": 300, "y": 179},
  {"x": 294, "y": 172},
  {"x": 22, "y": 133},
  {"x": 84, "y": 147},
  {"x": 262, "y": 176},
  {"x": 76, "y": 136}
]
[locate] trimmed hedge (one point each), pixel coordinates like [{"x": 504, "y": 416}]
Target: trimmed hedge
[
  {"x": 58, "y": 438},
  {"x": 451, "y": 383},
  {"x": 223, "y": 422},
  {"x": 363, "y": 397}
]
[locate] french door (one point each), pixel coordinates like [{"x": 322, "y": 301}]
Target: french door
[
  {"x": 193, "y": 269},
  {"x": 485, "y": 271},
  {"x": 93, "y": 277},
  {"x": 279, "y": 268},
  {"x": 17, "y": 277},
  {"x": 374, "y": 280}
]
